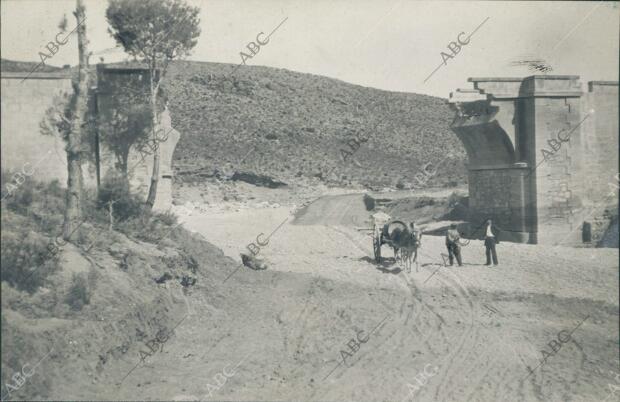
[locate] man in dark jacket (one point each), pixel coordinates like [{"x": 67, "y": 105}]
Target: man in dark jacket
[
  {"x": 490, "y": 240},
  {"x": 452, "y": 243}
]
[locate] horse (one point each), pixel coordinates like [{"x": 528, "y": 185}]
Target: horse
[{"x": 405, "y": 244}]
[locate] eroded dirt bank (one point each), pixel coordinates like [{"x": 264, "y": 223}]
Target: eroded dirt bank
[
  {"x": 285, "y": 333},
  {"x": 481, "y": 329}
]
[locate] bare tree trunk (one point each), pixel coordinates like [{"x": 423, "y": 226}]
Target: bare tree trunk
[
  {"x": 150, "y": 200},
  {"x": 74, "y": 142},
  {"x": 123, "y": 162}
]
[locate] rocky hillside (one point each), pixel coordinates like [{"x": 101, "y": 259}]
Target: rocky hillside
[{"x": 292, "y": 125}]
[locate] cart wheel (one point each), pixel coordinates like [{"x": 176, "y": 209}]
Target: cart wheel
[{"x": 376, "y": 245}]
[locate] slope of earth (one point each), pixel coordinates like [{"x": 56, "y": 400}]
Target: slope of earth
[
  {"x": 288, "y": 125},
  {"x": 477, "y": 332},
  {"x": 323, "y": 322},
  {"x": 71, "y": 309}
]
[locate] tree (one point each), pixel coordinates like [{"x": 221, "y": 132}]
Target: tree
[
  {"x": 65, "y": 117},
  {"x": 154, "y": 32},
  {"x": 79, "y": 105},
  {"x": 128, "y": 126}
]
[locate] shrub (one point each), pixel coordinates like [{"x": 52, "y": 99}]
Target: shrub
[
  {"x": 55, "y": 190},
  {"x": 150, "y": 227},
  {"x": 48, "y": 209},
  {"x": 115, "y": 189},
  {"x": 26, "y": 259},
  {"x": 91, "y": 210},
  {"x": 18, "y": 191},
  {"x": 424, "y": 201},
  {"x": 167, "y": 218},
  {"x": 50, "y": 224},
  {"x": 23, "y": 197},
  {"x": 82, "y": 287}
]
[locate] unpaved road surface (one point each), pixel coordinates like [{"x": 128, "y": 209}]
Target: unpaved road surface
[{"x": 478, "y": 332}]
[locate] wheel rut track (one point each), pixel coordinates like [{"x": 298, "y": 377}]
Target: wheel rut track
[
  {"x": 426, "y": 329},
  {"x": 466, "y": 341},
  {"x": 456, "y": 357},
  {"x": 410, "y": 286},
  {"x": 508, "y": 378}
]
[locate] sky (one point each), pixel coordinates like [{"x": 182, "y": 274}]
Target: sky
[{"x": 387, "y": 44}]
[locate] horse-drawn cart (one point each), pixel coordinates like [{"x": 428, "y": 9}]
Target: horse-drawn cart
[
  {"x": 389, "y": 234},
  {"x": 397, "y": 235}
]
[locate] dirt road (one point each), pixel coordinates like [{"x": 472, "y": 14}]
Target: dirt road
[{"x": 325, "y": 322}]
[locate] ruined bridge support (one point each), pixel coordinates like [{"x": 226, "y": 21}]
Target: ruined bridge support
[
  {"x": 535, "y": 197},
  {"x": 26, "y": 97},
  {"x": 113, "y": 80}
]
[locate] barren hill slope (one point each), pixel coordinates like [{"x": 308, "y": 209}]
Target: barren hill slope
[{"x": 294, "y": 125}]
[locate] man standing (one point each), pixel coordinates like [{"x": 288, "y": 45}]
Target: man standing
[
  {"x": 452, "y": 243},
  {"x": 417, "y": 235},
  {"x": 490, "y": 239}
]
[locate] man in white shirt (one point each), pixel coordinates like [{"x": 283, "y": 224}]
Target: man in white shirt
[{"x": 490, "y": 239}]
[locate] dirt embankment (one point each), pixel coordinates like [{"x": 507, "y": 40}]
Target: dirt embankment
[
  {"x": 483, "y": 328},
  {"x": 325, "y": 322}
]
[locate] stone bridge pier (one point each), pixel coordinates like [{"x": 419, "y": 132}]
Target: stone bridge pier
[
  {"x": 26, "y": 97},
  {"x": 542, "y": 156},
  {"x": 113, "y": 80}
]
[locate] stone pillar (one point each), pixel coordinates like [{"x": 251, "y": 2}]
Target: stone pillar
[
  {"x": 600, "y": 156},
  {"x": 551, "y": 130}
]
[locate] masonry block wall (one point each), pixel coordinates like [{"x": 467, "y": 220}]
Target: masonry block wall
[
  {"x": 555, "y": 164},
  {"x": 540, "y": 153},
  {"x": 500, "y": 197},
  {"x": 600, "y": 136},
  {"x": 24, "y": 102}
]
